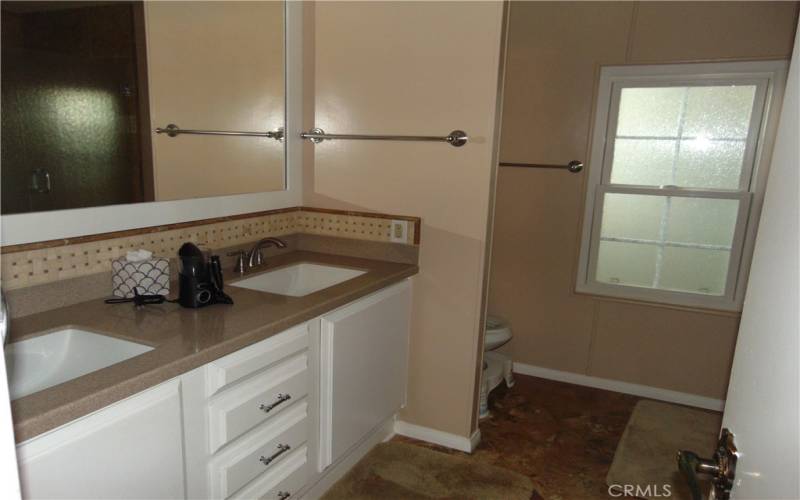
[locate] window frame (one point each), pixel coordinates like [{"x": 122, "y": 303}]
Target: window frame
[{"x": 769, "y": 78}]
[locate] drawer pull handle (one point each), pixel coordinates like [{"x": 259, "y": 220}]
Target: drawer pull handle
[
  {"x": 282, "y": 448},
  {"x": 283, "y": 495},
  {"x": 282, "y": 398}
]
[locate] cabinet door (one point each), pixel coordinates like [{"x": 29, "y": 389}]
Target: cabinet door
[
  {"x": 364, "y": 351},
  {"x": 132, "y": 449}
]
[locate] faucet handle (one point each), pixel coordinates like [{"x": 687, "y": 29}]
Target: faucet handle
[
  {"x": 256, "y": 257},
  {"x": 240, "y": 266}
]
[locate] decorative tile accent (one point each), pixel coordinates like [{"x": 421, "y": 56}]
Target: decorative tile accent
[
  {"x": 63, "y": 260},
  {"x": 362, "y": 228}
]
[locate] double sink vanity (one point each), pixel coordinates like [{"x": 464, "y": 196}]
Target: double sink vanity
[{"x": 275, "y": 396}]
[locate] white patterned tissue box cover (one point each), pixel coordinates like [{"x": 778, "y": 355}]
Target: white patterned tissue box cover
[{"x": 150, "y": 276}]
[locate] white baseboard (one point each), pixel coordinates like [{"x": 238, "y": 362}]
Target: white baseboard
[
  {"x": 474, "y": 440},
  {"x": 644, "y": 391},
  {"x": 454, "y": 441}
]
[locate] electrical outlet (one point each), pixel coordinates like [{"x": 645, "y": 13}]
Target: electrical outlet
[{"x": 399, "y": 231}]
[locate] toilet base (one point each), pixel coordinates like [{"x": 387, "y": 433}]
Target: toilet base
[{"x": 498, "y": 367}]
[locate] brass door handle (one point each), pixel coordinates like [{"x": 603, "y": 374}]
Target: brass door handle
[{"x": 721, "y": 467}]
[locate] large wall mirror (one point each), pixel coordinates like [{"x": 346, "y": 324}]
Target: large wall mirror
[{"x": 86, "y": 84}]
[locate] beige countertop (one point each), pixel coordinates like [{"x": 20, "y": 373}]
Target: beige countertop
[{"x": 183, "y": 339}]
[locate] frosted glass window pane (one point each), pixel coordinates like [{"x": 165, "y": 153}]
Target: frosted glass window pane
[
  {"x": 705, "y": 221},
  {"x": 710, "y": 164},
  {"x": 719, "y": 112},
  {"x": 645, "y": 162},
  {"x": 649, "y": 111},
  {"x": 687, "y": 136},
  {"x": 626, "y": 263},
  {"x": 666, "y": 242},
  {"x": 631, "y": 216},
  {"x": 694, "y": 270}
]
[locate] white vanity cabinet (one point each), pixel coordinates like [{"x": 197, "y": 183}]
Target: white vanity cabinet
[
  {"x": 265, "y": 422},
  {"x": 131, "y": 449},
  {"x": 363, "y": 368},
  {"x": 250, "y": 419}
]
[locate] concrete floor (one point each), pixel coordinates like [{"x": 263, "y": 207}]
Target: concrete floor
[{"x": 560, "y": 435}]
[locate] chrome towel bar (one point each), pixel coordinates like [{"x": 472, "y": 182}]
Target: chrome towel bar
[
  {"x": 173, "y": 130},
  {"x": 455, "y": 138},
  {"x": 574, "y": 166}
]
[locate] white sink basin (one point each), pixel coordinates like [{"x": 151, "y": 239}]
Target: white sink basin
[
  {"x": 47, "y": 360},
  {"x": 299, "y": 279}
]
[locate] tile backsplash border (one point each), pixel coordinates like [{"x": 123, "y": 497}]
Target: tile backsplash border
[{"x": 43, "y": 262}]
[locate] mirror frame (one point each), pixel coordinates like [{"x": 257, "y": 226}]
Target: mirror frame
[{"x": 32, "y": 227}]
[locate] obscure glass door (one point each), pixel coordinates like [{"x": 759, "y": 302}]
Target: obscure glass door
[{"x": 74, "y": 105}]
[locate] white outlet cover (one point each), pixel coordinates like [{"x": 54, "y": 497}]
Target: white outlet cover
[{"x": 399, "y": 231}]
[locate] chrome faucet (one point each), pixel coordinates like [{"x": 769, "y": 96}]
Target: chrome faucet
[{"x": 255, "y": 258}]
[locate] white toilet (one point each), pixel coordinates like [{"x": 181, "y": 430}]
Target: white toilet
[{"x": 496, "y": 367}]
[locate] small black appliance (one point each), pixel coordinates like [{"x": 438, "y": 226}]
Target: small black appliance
[{"x": 199, "y": 279}]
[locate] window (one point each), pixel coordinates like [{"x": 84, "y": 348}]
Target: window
[{"x": 678, "y": 168}]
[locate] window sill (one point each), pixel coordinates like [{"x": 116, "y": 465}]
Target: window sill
[{"x": 696, "y": 308}]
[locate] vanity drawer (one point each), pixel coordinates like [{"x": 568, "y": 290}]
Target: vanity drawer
[
  {"x": 288, "y": 478},
  {"x": 233, "y": 367},
  {"x": 261, "y": 452},
  {"x": 239, "y": 409}
]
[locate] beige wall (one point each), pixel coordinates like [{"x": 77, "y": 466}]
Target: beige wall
[
  {"x": 220, "y": 68},
  {"x": 416, "y": 68},
  {"x": 555, "y": 51}
]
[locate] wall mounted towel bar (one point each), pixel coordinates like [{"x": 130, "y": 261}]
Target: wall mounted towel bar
[
  {"x": 574, "y": 166},
  {"x": 455, "y": 138},
  {"x": 173, "y": 130}
]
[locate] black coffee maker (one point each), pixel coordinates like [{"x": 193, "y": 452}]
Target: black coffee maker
[{"x": 200, "y": 279}]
